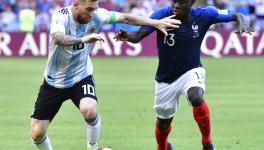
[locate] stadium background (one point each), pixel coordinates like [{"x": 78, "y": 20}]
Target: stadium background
[{"x": 125, "y": 85}]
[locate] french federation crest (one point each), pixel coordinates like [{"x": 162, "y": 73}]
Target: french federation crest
[{"x": 195, "y": 29}]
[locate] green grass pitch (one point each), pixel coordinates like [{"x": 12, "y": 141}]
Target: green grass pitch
[{"x": 125, "y": 86}]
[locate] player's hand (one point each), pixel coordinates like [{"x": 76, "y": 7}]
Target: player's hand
[
  {"x": 92, "y": 38},
  {"x": 244, "y": 28},
  {"x": 165, "y": 23},
  {"x": 121, "y": 35}
]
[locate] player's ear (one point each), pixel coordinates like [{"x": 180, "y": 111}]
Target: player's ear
[{"x": 75, "y": 3}]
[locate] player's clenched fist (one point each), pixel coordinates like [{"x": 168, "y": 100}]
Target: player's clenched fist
[{"x": 92, "y": 38}]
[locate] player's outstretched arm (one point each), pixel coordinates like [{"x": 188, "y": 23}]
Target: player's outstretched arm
[
  {"x": 133, "y": 37},
  {"x": 67, "y": 40},
  {"x": 243, "y": 26},
  {"x": 142, "y": 21}
]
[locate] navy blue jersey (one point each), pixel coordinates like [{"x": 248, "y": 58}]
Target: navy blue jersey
[{"x": 179, "y": 52}]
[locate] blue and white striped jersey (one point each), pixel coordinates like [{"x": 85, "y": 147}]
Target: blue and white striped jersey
[{"x": 68, "y": 65}]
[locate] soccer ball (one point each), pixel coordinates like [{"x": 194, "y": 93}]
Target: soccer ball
[{"x": 105, "y": 148}]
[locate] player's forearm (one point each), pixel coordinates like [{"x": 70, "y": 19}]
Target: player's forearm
[
  {"x": 137, "y": 20},
  {"x": 135, "y": 37},
  {"x": 240, "y": 19},
  {"x": 66, "y": 40}
]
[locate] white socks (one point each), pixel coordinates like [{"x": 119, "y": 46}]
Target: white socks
[
  {"x": 93, "y": 131},
  {"x": 44, "y": 144}
]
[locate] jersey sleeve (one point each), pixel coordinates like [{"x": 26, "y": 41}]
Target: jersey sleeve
[
  {"x": 106, "y": 16},
  {"x": 158, "y": 14},
  {"x": 58, "y": 23},
  {"x": 217, "y": 16}
]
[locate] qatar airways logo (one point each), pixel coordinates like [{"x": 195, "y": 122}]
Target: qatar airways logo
[
  {"x": 218, "y": 44},
  {"x": 215, "y": 44},
  {"x": 195, "y": 29},
  {"x": 36, "y": 44}
]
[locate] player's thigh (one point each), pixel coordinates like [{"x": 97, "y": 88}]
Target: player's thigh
[
  {"x": 166, "y": 100},
  {"x": 48, "y": 102},
  {"x": 84, "y": 95},
  {"x": 194, "y": 78}
]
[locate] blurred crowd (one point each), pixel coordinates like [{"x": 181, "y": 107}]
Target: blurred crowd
[{"x": 35, "y": 15}]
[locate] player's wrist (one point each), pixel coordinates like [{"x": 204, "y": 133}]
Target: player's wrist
[
  {"x": 83, "y": 39},
  {"x": 155, "y": 22}
]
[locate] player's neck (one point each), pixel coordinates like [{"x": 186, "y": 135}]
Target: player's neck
[
  {"x": 74, "y": 14},
  {"x": 185, "y": 19}
]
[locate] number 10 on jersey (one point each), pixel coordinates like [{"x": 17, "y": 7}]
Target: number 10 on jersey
[{"x": 88, "y": 89}]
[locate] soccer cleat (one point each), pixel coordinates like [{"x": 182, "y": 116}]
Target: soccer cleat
[
  {"x": 92, "y": 148},
  {"x": 209, "y": 146},
  {"x": 170, "y": 146},
  {"x": 100, "y": 148}
]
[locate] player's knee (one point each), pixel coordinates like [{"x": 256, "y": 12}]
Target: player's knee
[
  {"x": 37, "y": 133},
  {"x": 88, "y": 108},
  {"x": 195, "y": 96},
  {"x": 164, "y": 123},
  {"x": 89, "y": 112}
]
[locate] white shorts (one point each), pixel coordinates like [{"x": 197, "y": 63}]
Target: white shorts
[{"x": 167, "y": 95}]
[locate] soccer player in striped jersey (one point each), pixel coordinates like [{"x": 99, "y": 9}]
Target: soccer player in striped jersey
[
  {"x": 68, "y": 72},
  {"x": 180, "y": 71}
]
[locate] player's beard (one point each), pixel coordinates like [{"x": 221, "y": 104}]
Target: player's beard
[{"x": 82, "y": 20}]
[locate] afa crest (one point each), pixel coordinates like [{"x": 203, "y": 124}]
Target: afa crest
[{"x": 91, "y": 30}]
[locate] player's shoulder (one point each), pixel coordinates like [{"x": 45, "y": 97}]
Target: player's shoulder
[
  {"x": 62, "y": 12},
  {"x": 101, "y": 10},
  {"x": 99, "y": 14},
  {"x": 205, "y": 10},
  {"x": 162, "y": 12}
]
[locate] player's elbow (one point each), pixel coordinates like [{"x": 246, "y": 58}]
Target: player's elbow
[
  {"x": 125, "y": 18},
  {"x": 237, "y": 16},
  {"x": 56, "y": 38}
]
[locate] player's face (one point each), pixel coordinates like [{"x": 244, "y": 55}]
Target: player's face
[
  {"x": 85, "y": 10},
  {"x": 181, "y": 8}
]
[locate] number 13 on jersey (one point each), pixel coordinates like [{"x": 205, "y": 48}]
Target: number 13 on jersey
[{"x": 169, "y": 39}]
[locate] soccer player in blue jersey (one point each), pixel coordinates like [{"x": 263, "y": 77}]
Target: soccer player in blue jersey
[
  {"x": 68, "y": 72},
  {"x": 180, "y": 71}
]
